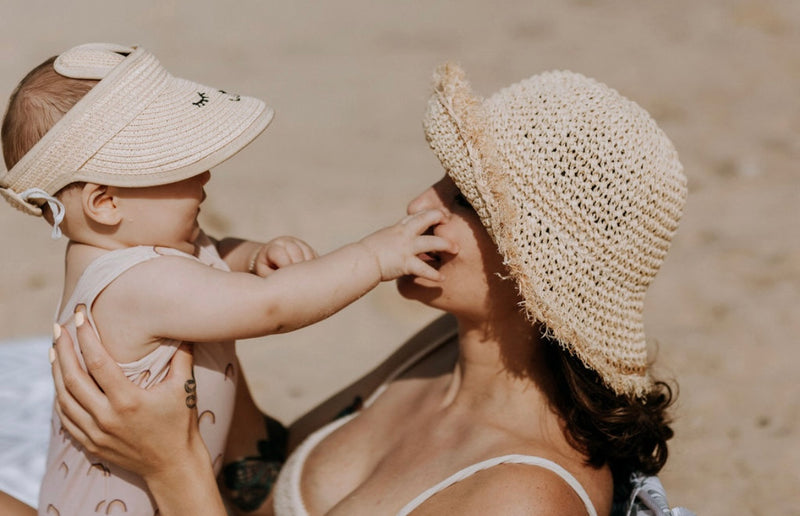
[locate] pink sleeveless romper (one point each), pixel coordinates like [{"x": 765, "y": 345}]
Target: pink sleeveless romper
[{"x": 77, "y": 483}]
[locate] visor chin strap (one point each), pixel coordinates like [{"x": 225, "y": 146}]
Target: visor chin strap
[{"x": 56, "y": 207}]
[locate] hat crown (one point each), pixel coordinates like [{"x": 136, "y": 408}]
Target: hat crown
[
  {"x": 581, "y": 192},
  {"x": 599, "y": 161},
  {"x": 91, "y": 61}
]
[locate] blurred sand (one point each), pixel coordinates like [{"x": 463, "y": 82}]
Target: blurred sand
[{"x": 349, "y": 81}]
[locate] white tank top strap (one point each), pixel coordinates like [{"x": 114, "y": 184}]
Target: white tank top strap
[
  {"x": 287, "y": 491},
  {"x": 505, "y": 459}
]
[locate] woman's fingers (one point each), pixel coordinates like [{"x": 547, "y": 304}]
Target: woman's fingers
[
  {"x": 135, "y": 428},
  {"x": 74, "y": 417},
  {"x": 105, "y": 371},
  {"x": 71, "y": 381},
  {"x": 73, "y": 428}
]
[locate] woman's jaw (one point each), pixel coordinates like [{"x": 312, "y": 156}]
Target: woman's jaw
[{"x": 468, "y": 277}]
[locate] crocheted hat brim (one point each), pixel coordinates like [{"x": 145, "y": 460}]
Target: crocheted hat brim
[{"x": 592, "y": 307}]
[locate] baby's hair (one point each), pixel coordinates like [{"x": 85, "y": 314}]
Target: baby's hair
[{"x": 37, "y": 103}]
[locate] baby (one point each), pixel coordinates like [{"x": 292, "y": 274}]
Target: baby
[{"x": 114, "y": 152}]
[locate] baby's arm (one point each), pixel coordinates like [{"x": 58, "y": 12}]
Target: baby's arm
[
  {"x": 263, "y": 259},
  {"x": 185, "y": 300}
]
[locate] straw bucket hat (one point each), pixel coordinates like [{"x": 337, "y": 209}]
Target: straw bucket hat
[
  {"x": 139, "y": 126},
  {"x": 581, "y": 192}
]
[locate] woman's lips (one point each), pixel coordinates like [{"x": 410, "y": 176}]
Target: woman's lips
[{"x": 432, "y": 258}]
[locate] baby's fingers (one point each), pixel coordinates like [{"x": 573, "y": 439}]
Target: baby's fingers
[
  {"x": 295, "y": 252},
  {"x": 277, "y": 257},
  {"x": 428, "y": 243},
  {"x": 308, "y": 252},
  {"x": 287, "y": 251},
  {"x": 421, "y": 269},
  {"x": 421, "y": 221}
]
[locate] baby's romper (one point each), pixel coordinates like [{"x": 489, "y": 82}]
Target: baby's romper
[{"x": 77, "y": 483}]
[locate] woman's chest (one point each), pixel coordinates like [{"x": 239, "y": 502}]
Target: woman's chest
[
  {"x": 384, "y": 458},
  {"x": 364, "y": 460}
]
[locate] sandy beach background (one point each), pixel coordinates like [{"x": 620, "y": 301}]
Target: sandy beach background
[{"x": 349, "y": 80}]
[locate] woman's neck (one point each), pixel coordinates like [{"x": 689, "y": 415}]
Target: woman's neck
[
  {"x": 499, "y": 361},
  {"x": 501, "y": 378}
]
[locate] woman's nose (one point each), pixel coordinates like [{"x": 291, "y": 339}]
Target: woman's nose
[
  {"x": 205, "y": 177},
  {"x": 424, "y": 201}
]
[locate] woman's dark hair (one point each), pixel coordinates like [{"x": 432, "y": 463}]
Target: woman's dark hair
[{"x": 627, "y": 433}]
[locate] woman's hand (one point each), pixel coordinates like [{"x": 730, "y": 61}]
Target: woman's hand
[
  {"x": 152, "y": 432},
  {"x": 134, "y": 428}
]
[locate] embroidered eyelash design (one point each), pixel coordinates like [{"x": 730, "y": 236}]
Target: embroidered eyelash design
[
  {"x": 233, "y": 97},
  {"x": 202, "y": 101}
]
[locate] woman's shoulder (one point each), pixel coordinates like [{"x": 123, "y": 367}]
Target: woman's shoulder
[
  {"x": 511, "y": 488},
  {"x": 522, "y": 489}
]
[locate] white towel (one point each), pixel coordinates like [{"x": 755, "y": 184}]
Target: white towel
[{"x": 26, "y": 397}]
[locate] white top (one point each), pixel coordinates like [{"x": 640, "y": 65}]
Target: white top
[{"x": 288, "y": 495}]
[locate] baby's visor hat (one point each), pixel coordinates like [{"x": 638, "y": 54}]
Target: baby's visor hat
[{"x": 139, "y": 126}]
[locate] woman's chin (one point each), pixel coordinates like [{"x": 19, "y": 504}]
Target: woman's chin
[{"x": 418, "y": 289}]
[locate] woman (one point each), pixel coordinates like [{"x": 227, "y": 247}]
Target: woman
[{"x": 563, "y": 198}]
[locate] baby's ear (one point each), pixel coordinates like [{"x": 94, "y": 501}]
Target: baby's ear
[{"x": 100, "y": 205}]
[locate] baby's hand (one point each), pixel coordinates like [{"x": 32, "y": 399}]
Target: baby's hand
[
  {"x": 397, "y": 248},
  {"x": 279, "y": 252}
]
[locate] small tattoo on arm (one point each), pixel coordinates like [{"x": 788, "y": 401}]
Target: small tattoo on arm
[{"x": 191, "y": 393}]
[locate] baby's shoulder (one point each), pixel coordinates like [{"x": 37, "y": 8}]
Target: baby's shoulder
[
  {"x": 145, "y": 268},
  {"x": 90, "y": 270}
]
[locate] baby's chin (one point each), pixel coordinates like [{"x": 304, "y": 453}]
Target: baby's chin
[{"x": 187, "y": 245}]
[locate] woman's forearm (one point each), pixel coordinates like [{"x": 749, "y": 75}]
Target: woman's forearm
[
  {"x": 10, "y": 506},
  {"x": 188, "y": 487}
]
